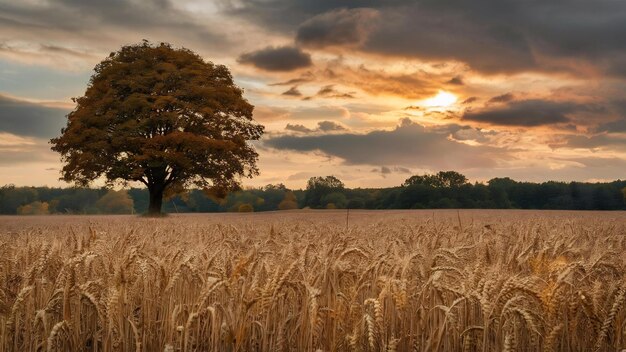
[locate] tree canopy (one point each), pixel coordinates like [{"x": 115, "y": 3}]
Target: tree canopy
[
  {"x": 319, "y": 187},
  {"x": 163, "y": 117},
  {"x": 496, "y": 193},
  {"x": 441, "y": 179}
]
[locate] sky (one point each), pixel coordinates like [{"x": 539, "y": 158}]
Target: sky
[{"x": 370, "y": 91}]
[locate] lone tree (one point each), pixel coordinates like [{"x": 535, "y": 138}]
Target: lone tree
[{"x": 163, "y": 117}]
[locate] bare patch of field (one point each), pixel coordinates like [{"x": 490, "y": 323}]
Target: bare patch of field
[{"x": 315, "y": 280}]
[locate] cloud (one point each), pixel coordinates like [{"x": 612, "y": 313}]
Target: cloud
[
  {"x": 50, "y": 55},
  {"x": 402, "y": 170},
  {"x": 412, "y": 84},
  {"x": 304, "y": 78},
  {"x": 18, "y": 150},
  {"x": 337, "y": 27},
  {"x": 318, "y": 112},
  {"x": 469, "y": 100},
  {"x": 283, "y": 16},
  {"x": 408, "y": 144},
  {"x": 30, "y": 119},
  {"x": 298, "y": 128},
  {"x": 450, "y": 32},
  {"x": 504, "y": 98},
  {"x": 456, "y": 80},
  {"x": 126, "y": 13},
  {"x": 385, "y": 170},
  {"x": 270, "y": 113},
  {"x": 467, "y": 133},
  {"x": 293, "y": 91},
  {"x": 508, "y": 36},
  {"x": 526, "y": 113},
  {"x": 322, "y": 126},
  {"x": 55, "y": 49},
  {"x": 45, "y": 32},
  {"x": 327, "y": 126},
  {"x": 304, "y": 175},
  {"x": 573, "y": 169},
  {"x": 329, "y": 91},
  {"x": 603, "y": 140},
  {"x": 283, "y": 58},
  {"x": 613, "y": 126},
  {"x": 617, "y": 125}
]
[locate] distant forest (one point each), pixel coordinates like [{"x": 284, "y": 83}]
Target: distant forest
[{"x": 446, "y": 189}]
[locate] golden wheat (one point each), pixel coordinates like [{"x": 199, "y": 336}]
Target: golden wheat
[{"x": 302, "y": 281}]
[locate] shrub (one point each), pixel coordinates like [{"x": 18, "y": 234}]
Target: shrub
[
  {"x": 34, "y": 208},
  {"x": 245, "y": 208}
]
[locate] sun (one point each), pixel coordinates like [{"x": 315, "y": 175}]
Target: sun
[{"x": 441, "y": 100}]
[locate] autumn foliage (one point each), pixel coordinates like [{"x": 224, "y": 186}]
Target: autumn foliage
[{"x": 163, "y": 117}]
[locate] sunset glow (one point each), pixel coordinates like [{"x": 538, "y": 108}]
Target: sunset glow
[
  {"x": 312, "y": 175},
  {"x": 330, "y": 79},
  {"x": 441, "y": 100}
]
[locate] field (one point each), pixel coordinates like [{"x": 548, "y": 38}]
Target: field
[{"x": 315, "y": 281}]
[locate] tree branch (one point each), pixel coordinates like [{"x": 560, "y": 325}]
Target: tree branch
[
  {"x": 171, "y": 177},
  {"x": 142, "y": 180}
]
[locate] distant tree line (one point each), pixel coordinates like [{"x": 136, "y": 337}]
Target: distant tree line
[{"x": 446, "y": 189}]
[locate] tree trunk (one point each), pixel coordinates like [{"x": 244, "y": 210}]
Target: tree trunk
[{"x": 156, "y": 200}]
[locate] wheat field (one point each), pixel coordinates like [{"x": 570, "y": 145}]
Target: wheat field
[{"x": 315, "y": 281}]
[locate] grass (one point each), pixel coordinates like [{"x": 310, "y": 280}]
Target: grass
[{"x": 302, "y": 281}]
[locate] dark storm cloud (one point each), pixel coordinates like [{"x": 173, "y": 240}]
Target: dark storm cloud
[
  {"x": 29, "y": 119},
  {"x": 408, "y": 144},
  {"x": 284, "y": 58},
  {"x": 337, "y": 27},
  {"x": 526, "y": 113},
  {"x": 489, "y": 35}
]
